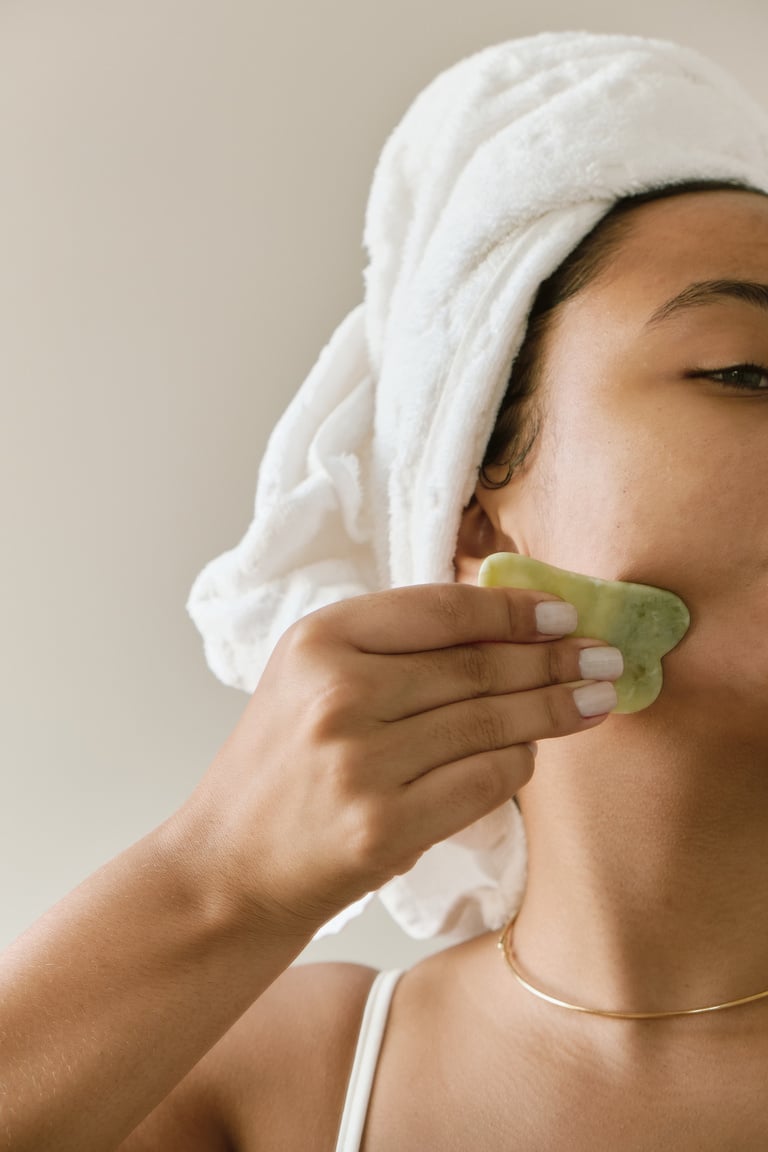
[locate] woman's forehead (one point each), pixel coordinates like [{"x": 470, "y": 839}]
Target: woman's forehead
[
  {"x": 671, "y": 246},
  {"x": 723, "y": 227}
]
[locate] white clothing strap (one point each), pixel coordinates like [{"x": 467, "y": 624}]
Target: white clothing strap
[{"x": 366, "y": 1056}]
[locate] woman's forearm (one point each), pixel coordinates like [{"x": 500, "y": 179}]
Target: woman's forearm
[{"x": 110, "y": 998}]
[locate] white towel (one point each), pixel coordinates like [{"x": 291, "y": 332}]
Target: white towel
[{"x": 495, "y": 173}]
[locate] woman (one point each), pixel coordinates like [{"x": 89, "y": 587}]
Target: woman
[{"x": 154, "y": 1007}]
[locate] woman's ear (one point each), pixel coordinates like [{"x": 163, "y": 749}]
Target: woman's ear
[{"x": 479, "y": 536}]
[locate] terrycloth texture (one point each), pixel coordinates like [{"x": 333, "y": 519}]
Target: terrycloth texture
[{"x": 495, "y": 173}]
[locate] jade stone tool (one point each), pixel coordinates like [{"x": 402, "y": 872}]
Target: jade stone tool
[{"x": 642, "y": 621}]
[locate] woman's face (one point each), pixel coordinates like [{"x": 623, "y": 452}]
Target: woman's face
[{"x": 647, "y": 468}]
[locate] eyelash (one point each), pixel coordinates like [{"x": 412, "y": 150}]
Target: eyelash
[{"x": 739, "y": 368}]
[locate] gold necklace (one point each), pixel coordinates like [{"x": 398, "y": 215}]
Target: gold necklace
[{"x": 504, "y": 943}]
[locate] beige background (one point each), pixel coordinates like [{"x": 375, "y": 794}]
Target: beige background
[{"x": 182, "y": 196}]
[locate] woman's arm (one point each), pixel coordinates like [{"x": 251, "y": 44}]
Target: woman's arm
[
  {"x": 114, "y": 994},
  {"x": 373, "y": 733}
]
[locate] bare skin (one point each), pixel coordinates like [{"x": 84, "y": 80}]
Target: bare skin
[
  {"x": 647, "y": 882},
  {"x": 648, "y": 856},
  {"x": 648, "y": 859},
  {"x": 380, "y": 726}
]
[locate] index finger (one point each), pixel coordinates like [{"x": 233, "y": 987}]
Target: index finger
[{"x": 421, "y": 617}]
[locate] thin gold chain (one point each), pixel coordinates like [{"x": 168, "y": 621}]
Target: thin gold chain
[{"x": 504, "y": 943}]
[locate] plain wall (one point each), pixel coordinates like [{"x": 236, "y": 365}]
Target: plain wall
[{"x": 183, "y": 191}]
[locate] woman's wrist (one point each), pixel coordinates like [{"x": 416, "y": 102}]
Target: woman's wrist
[{"x": 196, "y": 846}]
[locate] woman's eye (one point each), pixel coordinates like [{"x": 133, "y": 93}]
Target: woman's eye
[{"x": 748, "y": 377}]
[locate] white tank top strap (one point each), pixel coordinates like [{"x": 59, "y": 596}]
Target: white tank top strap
[{"x": 366, "y": 1056}]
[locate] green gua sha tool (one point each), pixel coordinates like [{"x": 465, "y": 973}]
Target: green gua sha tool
[{"x": 642, "y": 621}]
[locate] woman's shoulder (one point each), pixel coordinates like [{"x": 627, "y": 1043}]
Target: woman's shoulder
[
  {"x": 278, "y": 1077},
  {"x": 280, "y": 1074}
]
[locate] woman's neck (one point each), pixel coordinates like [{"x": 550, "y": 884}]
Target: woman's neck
[{"x": 647, "y": 883}]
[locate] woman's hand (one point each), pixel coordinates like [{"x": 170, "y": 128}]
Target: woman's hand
[{"x": 381, "y": 725}]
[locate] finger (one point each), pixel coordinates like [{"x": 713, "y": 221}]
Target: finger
[
  {"x": 420, "y": 681},
  {"x": 452, "y": 797},
  {"x": 427, "y": 616},
  {"x": 474, "y": 727}
]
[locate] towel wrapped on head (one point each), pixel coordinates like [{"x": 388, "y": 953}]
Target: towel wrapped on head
[{"x": 499, "y": 168}]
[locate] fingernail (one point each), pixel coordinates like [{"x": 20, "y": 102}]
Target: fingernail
[
  {"x": 601, "y": 663},
  {"x": 594, "y": 699},
  {"x": 556, "y": 618},
  {"x": 533, "y": 747}
]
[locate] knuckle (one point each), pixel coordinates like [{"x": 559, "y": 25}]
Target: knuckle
[
  {"x": 330, "y": 711},
  {"x": 303, "y": 636},
  {"x": 491, "y": 782},
  {"x": 489, "y": 727},
  {"x": 476, "y": 669},
  {"x": 369, "y": 838},
  {"x": 514, "y": 613},
  {"x": 556, "y": 663},
  {"x": 444, "y": 732},
  {"x": 342, "y": 771},
  {"x": 553, "y": 703},
  {"x": 450, "y": 605},
  {"x": 421, "y": 667},
  {"x": 376, "y": 842}
]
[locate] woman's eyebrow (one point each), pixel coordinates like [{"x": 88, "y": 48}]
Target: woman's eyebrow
[{"x": 708, "y": 292}]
